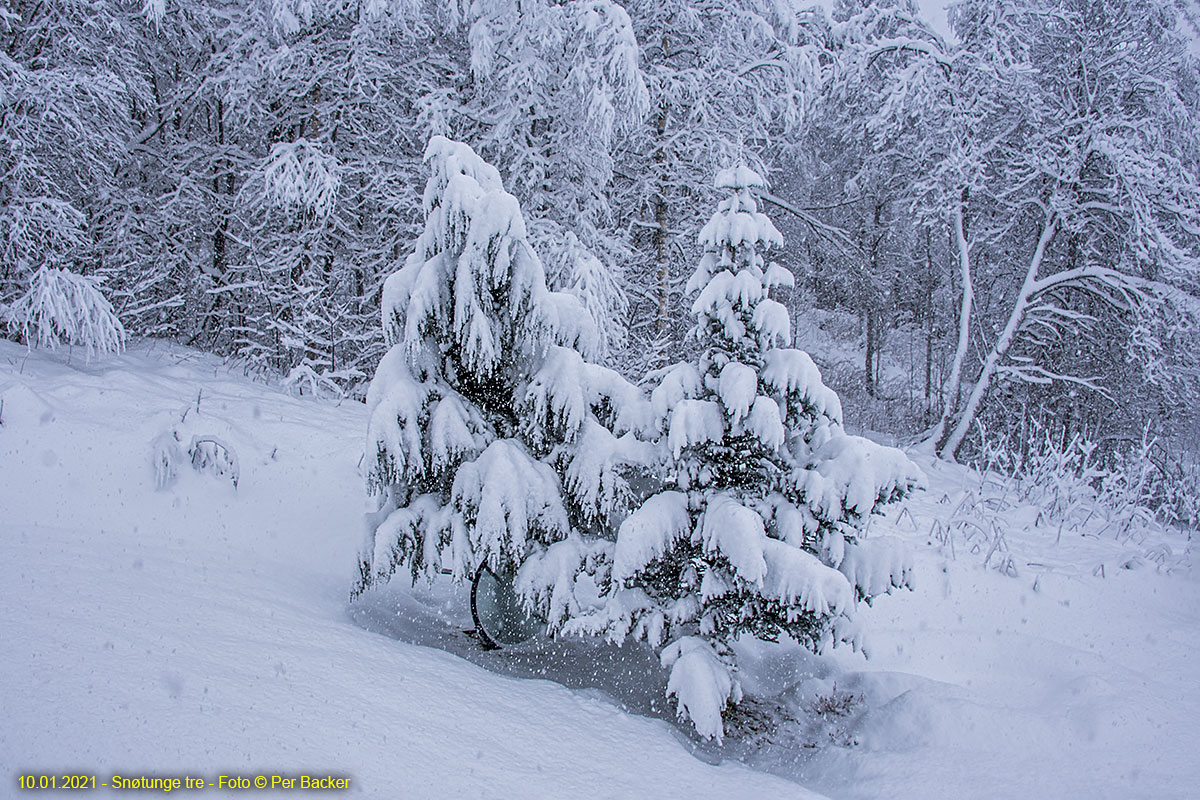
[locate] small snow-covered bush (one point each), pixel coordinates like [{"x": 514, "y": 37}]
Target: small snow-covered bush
[
  {"x": 303, "y": 379},
  {"x": 61, "y": 306},
  {"x": 1176, "y": 487},
  {"x": 206, "y": 452},
  {"x": 1129, "y": 490},
  {"x": 165, "y": 456},
  {"x": 213, "y": 456}
]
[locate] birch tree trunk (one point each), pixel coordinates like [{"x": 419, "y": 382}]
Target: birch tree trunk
[
  {"x": 950, "y": 401},
  {"x": 1000, "y": 348}
]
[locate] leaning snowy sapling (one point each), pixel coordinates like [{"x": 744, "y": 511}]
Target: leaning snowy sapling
[{"x": 757, "y": 530}]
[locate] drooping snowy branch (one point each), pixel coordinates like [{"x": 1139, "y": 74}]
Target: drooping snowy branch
[{"x": 59, "y": 307}]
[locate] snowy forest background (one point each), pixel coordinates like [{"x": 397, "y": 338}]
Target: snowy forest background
[
  {"x": 998, "y": 230},
  {"x": 986, "y": 236}
]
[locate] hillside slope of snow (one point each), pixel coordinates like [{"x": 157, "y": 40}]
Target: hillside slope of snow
[
  {"x": 1026, "y": 663},
  {"x": 204, "y": 629}
]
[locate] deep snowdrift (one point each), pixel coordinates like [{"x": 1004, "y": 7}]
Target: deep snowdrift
[{"x": 204, "y": 629}]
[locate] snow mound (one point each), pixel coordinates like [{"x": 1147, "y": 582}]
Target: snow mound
[{"x": 23, "y": 407}]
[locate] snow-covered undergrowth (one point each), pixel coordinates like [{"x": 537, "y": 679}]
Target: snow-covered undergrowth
[{"x": 193, "y": 626}]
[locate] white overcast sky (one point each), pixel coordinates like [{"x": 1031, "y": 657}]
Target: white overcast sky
[{"x": 935, "y": 12}]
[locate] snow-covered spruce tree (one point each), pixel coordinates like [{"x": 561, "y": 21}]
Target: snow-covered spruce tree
[
  {"x": 726, "y": 82},
  {"x": 485, "y": 398},
  {"x": 757, "y": 529}
]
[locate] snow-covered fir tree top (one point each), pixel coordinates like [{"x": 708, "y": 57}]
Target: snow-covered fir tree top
[
  {"x": 738, "y": 226},
  {"x": 472, "y": 265}
]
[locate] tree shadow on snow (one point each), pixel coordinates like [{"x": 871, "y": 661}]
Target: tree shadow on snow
[
  {"x": 628, "y": 675},
  {"x": 797, "y": 706}
]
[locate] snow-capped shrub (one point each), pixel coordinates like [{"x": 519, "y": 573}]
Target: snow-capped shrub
[
  {"x": 206, "y": 452},
  {"x": 165, "y": 456},
  {"x": 1143, "y": 484},
  {"x": 303, "y": 379},
  {"x": 61, "y": 306},
  {"x": 213, "y": 456},
  {"x": 757, "y": 530}
]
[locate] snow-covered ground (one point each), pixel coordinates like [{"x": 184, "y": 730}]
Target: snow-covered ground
[{"x": 204, "y": 629}]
